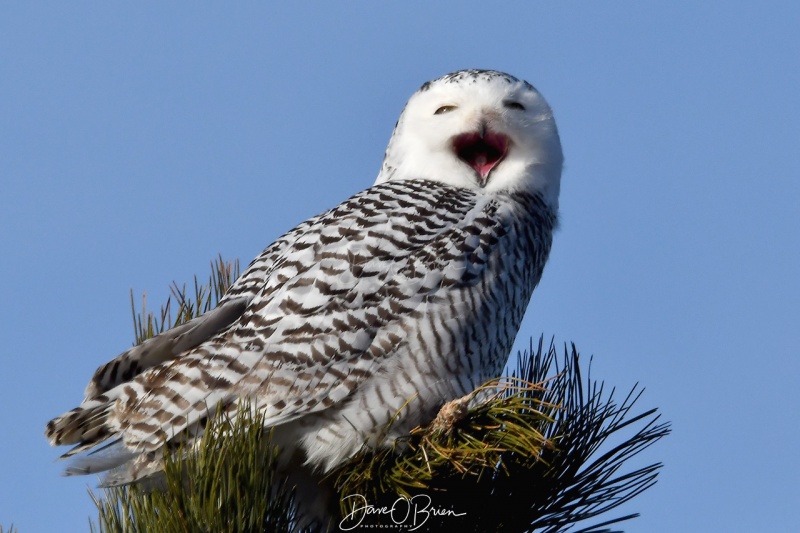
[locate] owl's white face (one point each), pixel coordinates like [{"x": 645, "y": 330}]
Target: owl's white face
[{"x": 481, "y": 130}]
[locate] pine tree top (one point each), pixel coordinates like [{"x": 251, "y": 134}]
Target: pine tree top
[{"x": 545, "y": 449}]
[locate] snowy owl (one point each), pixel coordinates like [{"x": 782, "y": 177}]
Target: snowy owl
[{"x": 403, "y": 297}]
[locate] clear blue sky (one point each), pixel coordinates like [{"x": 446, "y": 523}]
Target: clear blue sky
[{"x": 137, "y": 142}]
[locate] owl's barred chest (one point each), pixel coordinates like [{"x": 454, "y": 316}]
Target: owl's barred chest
[
  {"x": 458, "y": 336},
  {"x": 475, "y": 278},
  {"x": 473, "y": 282},
  {"x": 485, "y": 306}
]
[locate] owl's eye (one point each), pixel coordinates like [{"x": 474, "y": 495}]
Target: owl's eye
[
  {"x": 514, "y": 105},
  {"x": 444, "y": 109}
]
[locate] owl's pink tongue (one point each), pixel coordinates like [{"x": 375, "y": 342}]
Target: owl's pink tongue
[{"x": 481, "y": 152}]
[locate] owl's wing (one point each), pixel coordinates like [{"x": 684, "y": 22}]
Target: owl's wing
[
  {"x": 163, "y": 347},
  {"x": 328, "y": 314}
]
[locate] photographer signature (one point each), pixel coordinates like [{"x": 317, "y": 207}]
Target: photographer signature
[{"x": 409, "y": 513}]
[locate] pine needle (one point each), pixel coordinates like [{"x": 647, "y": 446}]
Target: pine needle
[{"x": 227, "y": 483}]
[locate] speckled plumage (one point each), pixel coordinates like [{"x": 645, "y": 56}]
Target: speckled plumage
[{"x": 403, "y": 297}]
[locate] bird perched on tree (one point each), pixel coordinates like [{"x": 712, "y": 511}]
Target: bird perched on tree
[{"x": 360, "y": 323}]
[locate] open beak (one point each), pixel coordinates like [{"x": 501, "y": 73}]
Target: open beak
[{"x": 481, "y": 150}]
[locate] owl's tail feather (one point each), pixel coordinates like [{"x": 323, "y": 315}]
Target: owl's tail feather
[
  {"x": 86, "y": 426},
  {"x": 110, "y": 456}
]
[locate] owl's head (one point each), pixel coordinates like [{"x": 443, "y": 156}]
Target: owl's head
[{"x": 481, "y": 130}]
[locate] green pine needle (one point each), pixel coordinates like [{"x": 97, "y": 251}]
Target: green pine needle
[
  {"x": 206, "y": 296},
  {"x": 226, "y": 483}
]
